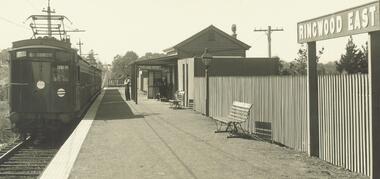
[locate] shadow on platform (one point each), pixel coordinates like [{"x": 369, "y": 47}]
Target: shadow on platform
[{"x": 113, "y": 107}]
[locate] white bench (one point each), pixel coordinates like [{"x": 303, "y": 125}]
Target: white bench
[
  {"x": 177, "y": 102},
  {"x": 239, "y": 113}
]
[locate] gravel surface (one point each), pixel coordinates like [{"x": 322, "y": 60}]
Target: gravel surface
[{"x": 159, "y": 142}]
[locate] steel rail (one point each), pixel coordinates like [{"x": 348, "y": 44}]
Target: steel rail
[{"x": 7, "y": 154}]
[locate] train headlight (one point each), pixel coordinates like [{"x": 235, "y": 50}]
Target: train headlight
[
  {"x": 61, "y": 92},
  {"x": 40, "y": 84}
]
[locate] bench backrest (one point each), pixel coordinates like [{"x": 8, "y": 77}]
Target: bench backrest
[
  {"x": 240, "y": 111},
  {"x": 263, "y": 130},
  {"x": 179, "y": 95}
]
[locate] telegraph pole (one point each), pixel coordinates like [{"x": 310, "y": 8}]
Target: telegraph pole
[
  {"x": 269, "y": 34},
  {"x": 80, "y": 47}
]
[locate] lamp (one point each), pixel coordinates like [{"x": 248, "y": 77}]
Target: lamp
[{"x": 206, "y": 60}]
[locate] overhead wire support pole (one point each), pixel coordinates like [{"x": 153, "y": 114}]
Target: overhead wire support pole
[
  {"x": 269, "y": 34},
  {"x": 49, "y": 12},
  {"x": 80, "y": 43}
]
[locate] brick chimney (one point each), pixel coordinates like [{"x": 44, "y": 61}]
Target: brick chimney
[{"x": 233, "y": 28}]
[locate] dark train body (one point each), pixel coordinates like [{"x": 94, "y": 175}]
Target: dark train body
[{"x": 50, "y": 85}]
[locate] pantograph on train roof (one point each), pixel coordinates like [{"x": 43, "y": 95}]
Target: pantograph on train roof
[{"x": 49, "y": 25}]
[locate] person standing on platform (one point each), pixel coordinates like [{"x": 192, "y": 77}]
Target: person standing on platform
[{"x": 127, "y": 84}]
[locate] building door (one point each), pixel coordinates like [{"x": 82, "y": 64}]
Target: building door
[
  {"x": 150, "y": 84},
  {"x": 154, "y": 83}
]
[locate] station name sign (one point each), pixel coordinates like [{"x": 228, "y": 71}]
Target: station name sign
[{"x": 352, "y": 21}]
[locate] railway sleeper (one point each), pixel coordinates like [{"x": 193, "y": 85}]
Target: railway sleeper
[
  {"x": 39, "y": 150},
  {"x": 7, "y": 148},
  {"x": 24, "y": 162},
  {"x": 21, "y": 174},
  {"x": 34, "y": 165},
  {"x": 29, "y": 160},
  {"x": 37, "y": 153},
  {"x": 2, "y": 170},
  {"x": 32, "y": 156},
  {"x": 30, "y": 167},
  {"x": 28, "y": 154}
]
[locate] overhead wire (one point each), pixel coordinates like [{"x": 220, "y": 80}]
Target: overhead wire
[
  {"x": 13, "y": 23},
  {"x": 18, "y": 24},
  {"x": 258, "y": 38}
]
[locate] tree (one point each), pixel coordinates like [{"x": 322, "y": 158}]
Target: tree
[
  {"x": 150, "y": 55},
  {"x": 299, "y": 65},
  {"x": 4, "y": 56},
  {"x": 121, "y": 64},
  {"x": 283, "y": 68},
  {"x": 329, "y": 68},
  {"x": 4, "y": 69},
  {"x": 363, "y": 64},
  {"x": 355, "y": 60},
  {"x": 91, "y": 57}
]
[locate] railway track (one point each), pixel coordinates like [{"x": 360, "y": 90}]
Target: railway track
[{"x": 26, "y": 160}]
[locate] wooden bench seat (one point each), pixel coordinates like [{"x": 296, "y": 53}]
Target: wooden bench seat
[
  {"x": 239, "y": 113},
  {"x": 177, "y": 102}
]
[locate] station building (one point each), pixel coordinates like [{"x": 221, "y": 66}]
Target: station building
[{"x": 182, "y": 63}]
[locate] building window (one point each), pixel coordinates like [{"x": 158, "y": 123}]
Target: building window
[{"x": 61, "y": 73}]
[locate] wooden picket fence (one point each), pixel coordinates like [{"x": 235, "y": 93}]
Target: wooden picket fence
[
  {"x": 282, "y": 100},
  {"x": 345, "y": 128}
]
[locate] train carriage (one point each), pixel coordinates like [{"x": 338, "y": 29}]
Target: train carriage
[{"x": 50, "y": 84}]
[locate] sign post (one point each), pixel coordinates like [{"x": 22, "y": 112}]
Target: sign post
[
  {"x": 361, "y": 19},
  {"x": 312, "y": 96},
  {"x": 374, "y": 77}
]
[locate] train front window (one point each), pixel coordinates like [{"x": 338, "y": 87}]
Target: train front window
[
  {"x": 63, "y": 56},
  {"x": 40, "y": 54},
  {"x": 61, "y": 73}
]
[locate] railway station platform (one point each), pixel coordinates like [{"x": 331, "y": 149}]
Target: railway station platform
[{"x": 151, "y": 140}]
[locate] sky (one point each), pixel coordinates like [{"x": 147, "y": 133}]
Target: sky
[{"x": 117, "y": 26}]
